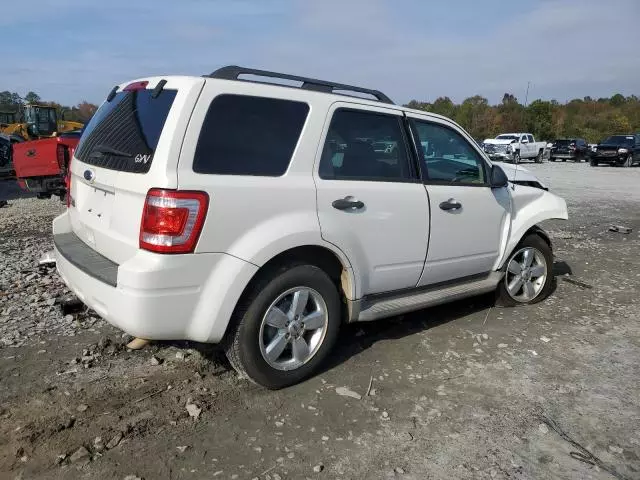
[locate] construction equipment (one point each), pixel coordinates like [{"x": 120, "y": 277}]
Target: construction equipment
[{"x": 39, "y": 121}]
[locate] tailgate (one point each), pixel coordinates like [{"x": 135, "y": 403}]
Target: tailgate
[
  {"x": 131, "y": 145},
  {"x": 36, "y": 158}
]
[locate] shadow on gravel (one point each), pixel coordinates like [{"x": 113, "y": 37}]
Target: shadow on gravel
[
  {"x": 10, "y": 190},
  {"x": 357, "y": 337}
]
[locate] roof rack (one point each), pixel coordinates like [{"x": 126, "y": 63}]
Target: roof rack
[{"x": 233, "y": 72}]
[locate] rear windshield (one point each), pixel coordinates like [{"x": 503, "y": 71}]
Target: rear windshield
[{"x": 124, "y": 133}]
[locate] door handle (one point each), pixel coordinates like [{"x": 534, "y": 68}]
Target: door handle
[
  {"x": 451, "y": 204},
  {"x": 347, "y": 203}
]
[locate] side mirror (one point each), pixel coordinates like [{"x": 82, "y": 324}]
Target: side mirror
[
  {"x": 524, "y": 140},
  {"x": 498, "y": 178}
]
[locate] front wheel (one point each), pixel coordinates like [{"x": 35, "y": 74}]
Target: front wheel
[
  {"x": 629, "y": 161},
  {"x": 593, "y": 163},
  {"x": 285, "y": 326},
  {"x": 516, "y": 157},
  {"x": 528, "y": 275}
]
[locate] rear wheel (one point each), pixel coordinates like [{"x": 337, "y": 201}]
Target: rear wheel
[
  {"x": 285, "y": 326},
  {"x": 539, "y": 157},
  {"x": 528, "y": 275}
]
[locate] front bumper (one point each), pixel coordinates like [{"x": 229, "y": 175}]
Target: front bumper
[
  {"x": 609, "y": 160},
  {"x": 501, "y": 156},
  {"x": 154, "y": 296}
]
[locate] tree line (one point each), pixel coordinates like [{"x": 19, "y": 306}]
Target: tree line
[
  {"x": 12, "y": 102},
  {"x": 588, "y": 118}
]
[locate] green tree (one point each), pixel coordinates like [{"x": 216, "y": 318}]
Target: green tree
[{"x": 32, "y": 97}]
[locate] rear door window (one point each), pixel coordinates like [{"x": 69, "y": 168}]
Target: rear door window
[
  {"x": 365, "y": 146},
  {"x": 246, "y": 135},
  {"x": 124, "y": 133}
]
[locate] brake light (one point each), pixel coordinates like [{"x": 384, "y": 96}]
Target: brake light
[
  {"x": 60, "y": 156},
  {"x": 172, "y": 220},
  {"x": 136, "y": 86},
  {"x": 67, "y": 184}
]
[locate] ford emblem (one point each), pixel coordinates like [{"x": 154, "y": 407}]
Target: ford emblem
[{"x": 89, "y": 176}]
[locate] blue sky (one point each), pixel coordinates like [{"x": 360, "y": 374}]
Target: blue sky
[{"x": 73, "y": 50}]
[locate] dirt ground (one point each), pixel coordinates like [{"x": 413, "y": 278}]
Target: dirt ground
[{"x": 462, "y": 391}]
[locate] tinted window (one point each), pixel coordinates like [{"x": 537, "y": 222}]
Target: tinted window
[
  {"x": 530, "y": 137},
  {"x": 365, "y": 146},
  {"x": 619, "y": 139},
  {"x": 123, "y": 134},
  {"x": 244, "y": 135},
  {"x": 446, "y": 156}
]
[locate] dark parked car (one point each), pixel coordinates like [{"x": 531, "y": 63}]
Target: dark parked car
[
  {"x": 575, "y": 149},
  {"x": 6, "y": 153},
  {"x": 619, "y": 150}
]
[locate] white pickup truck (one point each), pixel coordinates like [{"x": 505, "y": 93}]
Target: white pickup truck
[{"x": 513, "y": 147}]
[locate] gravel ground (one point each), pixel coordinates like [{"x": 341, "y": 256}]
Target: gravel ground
[{"x": 460, "y": 391}]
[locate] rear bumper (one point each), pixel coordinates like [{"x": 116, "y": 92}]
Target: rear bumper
[
  {"x": 152, "y": 296},
  {"x": 564, "y": 156}
]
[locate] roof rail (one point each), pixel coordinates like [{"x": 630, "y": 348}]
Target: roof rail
[{"x": 233, "y": 72}]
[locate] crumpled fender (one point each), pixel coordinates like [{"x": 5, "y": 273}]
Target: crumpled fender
[{"x": 530, "y": 206}]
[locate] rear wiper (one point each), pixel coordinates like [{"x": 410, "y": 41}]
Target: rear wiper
[{"x": 102, "y": 150}]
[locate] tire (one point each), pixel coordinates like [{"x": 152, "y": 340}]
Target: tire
[
  {"x": 542, "y": 287},
  {"x": 629, "y": 161},
  {"x": 593, "y": 163},
  {"x": 248, "y": 335},
  {"x": 553, "y": 159},
  {"x": 538, "y": 158},
  {"x": 516, "y": 157}
]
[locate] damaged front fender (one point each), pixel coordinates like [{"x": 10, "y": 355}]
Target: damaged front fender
[{"x": 530, "y": 206}]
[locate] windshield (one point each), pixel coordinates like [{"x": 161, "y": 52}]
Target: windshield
[
  {"x": 562, "y": 143},
  {"x": 507, "y": 137},
  {"x": 124, "y": 133},
  {"x": 619, "y": 139}
]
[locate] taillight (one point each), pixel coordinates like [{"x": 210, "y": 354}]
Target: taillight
[
  {"x": 61, "y": 152},
  {"x": 67, "y": 184},
  {"x": 172, "y": 220}
]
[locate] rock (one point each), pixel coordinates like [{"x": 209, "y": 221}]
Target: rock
[
  {"x": 385, "y": 415},
  {"x": 60, "y": 458},
  {"x": 155, "y": 360},
  {"x": 133, "y": 477},
  {"x": 80, "y": 455},
  {"x": 318, "y": 468},
  {"x": 502, "y": 345},
  {"x": 82, "y": 407},
  {"x": 615, "y": 449},
  {"x": 182, "y": 448},
  {"x": 399, "y": 470},
  {"x": 279, "y": 424},
  {"x": 545, "y": 339},
  {"x": 193, "y": 410},
  {"x": 115, "y": 441},
  {"x": 180, "y": 355},
  {"x": 345, "y": 392},
  {"x": 543, "y": 429},
  {"x": 98, "y": 444}
]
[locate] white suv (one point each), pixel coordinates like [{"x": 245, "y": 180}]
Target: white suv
[{"x": 263, "y": 216}]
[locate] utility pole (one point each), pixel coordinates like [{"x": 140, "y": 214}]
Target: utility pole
[{"x": 526, "y": 97}]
